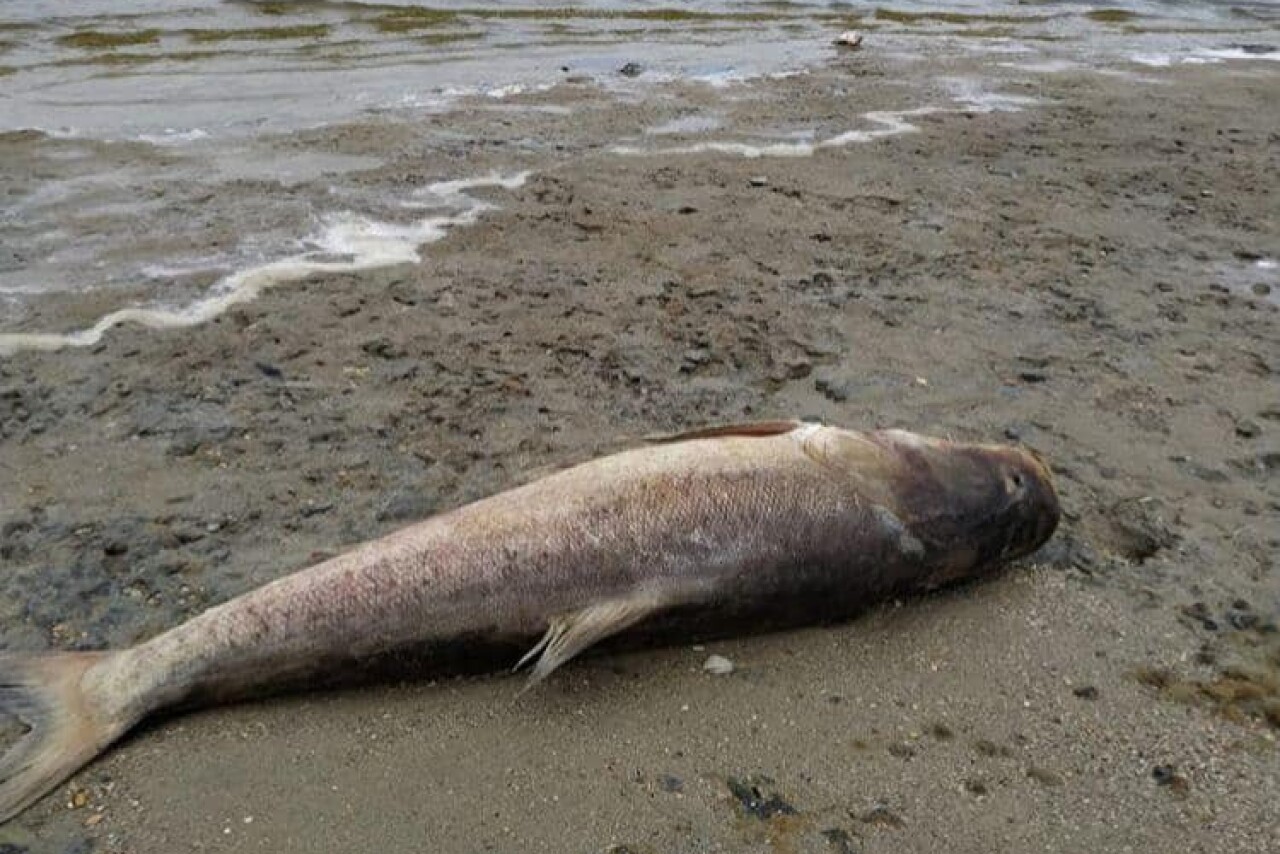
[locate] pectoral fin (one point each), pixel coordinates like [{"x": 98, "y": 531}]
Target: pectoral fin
[{"x": 571, "y": 633}]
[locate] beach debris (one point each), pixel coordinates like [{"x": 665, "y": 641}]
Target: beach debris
[
  {"x": 718, "y": 665},
  {"x": 631, "y": 69},
  {"x": 758, "y": 798},
  {"x": 849, "y": 39}
]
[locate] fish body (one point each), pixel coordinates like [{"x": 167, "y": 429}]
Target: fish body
[{"x": 747, "y": 526}]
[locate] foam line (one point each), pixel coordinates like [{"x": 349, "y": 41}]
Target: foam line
[
  {"x": 365, "y": 243},
  {"x": 890, "y": 123}
]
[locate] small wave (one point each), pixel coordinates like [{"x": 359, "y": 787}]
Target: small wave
[
  {"x": 347, "y": 244},
  {"x": 889, "y": 123}
]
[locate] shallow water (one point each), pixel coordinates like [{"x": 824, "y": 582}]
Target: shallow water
[{"x": 183, "y": 144}]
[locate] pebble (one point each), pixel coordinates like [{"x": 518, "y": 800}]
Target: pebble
[
  {"x": 718, "y": 665},
  {"x": 1086, "y": 692},
  {"x": 1247, "y": 429},
  {"x": 758, "y": 181},
  {"x": 851, "y": 39}
]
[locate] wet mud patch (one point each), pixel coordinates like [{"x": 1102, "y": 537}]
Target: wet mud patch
[{"x": 1243, "y": 679}]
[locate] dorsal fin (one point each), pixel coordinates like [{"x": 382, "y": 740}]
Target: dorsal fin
[{"x": 757, "y": 428}]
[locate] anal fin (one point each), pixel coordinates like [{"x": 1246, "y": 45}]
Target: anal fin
[{"x": 570, "y": 634}]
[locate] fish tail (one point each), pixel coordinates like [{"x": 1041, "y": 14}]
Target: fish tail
[{"x": 67, "y": 723}]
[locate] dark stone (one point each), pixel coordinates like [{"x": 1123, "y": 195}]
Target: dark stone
[
  {"x": 1247, "y": 429},
  {"x": 695, "y": 358},
  {"x": 883, "y": 816},
  {"x": 1086, "y": 692},
  {"x": 839, "y": 840},
  {"x": 757, "y": 799},
  {"x": 833, "y": 389},
  {"x": 1242, "y": 619},
  {"x": 631, "y": 69},
  {"x": 383, "y": 348},
  {"x": 1199, "y": 612},
  {"x": 1164, "y": 775},
  {"x": 270, "y": 371},
  {"x": 316, "y": 508},
  {"x": 115, "y": 547},
  {"x": 670, "y": 783}
]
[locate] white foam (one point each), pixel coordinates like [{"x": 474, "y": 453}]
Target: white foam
[
  {"x": 1272, "y": 55},
  {"x": 173, "y": 136},
  {"x": 360, "y": 242},
  {"x": 1044, "y": 66},
  {"x": 890, "y": 123},
  {"x": 1205, "y": 56}
]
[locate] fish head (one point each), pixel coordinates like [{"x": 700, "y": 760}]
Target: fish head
[{"x": 970, "y": 506}]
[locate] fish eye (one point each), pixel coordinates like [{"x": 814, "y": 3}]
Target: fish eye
[{"x": 1014, "y": 482}]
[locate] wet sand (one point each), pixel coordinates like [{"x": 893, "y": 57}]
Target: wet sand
[{"x": 1082, "y": 275}]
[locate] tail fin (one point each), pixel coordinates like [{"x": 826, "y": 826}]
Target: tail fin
[{"x": 65, "y": 726}]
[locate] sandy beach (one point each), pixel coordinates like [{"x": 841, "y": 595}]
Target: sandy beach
[{"x": 1081, "y": 262}]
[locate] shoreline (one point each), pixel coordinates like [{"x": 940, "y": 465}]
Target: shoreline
[{"x": 1044, "y": 276}]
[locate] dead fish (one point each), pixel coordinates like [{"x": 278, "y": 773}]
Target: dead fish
[{"x": 747, "y": 525}]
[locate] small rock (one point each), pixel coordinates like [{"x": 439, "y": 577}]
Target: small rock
[
  {"x": 758, "y": 181},
  {"x": 839, "y": 840},
  {"x": 718, "y": 665},
  {"x": 883, "y": 816},
  {"x": 315, "y": 508},
  {"x": 798, "y": 368},
  {"x": 1247, "y": 429},
  {"x": 1086, "y": 692},
  {"x": 383, "y": 348},
  {"x": 1044, "y": 776},
  {"x": 902, "y": 750},
  {"x": 115, "y": 547},
  {"x": 268, "y": 370},
  {"x": 850, "y": 39},
  {"x": 757, "y": 799},
  {"x": 694, "y": 358},
  {"x": 1163, "y": 775},
  {"x": 1199, "y": 612},
  {"x": 833, "y": 389},
  {"x": 1241, "y": 619},
  {"x": 670, "y": 783},
  {"x": 1262, "y": 289},
  {"x": 631, "y": 69}
]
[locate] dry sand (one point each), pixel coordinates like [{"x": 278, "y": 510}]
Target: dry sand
[{"x": 1081, "y": 276}]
